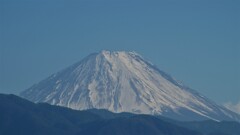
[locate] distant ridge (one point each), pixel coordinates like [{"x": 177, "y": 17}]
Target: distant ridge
[{"x": 21, "y": 117}]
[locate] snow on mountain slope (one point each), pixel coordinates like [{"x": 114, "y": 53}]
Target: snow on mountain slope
[{"x": 124, "y": 82}]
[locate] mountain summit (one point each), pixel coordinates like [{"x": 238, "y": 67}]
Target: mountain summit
[{"x": 124, "y": 82}]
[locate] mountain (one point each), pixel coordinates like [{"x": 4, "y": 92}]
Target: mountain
[
  {"x": 21, "y": 117},
  {"x": 212, "y": 127},
  {"x": 125, "y": 82}
]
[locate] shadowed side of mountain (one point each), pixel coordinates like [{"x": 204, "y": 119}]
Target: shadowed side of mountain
[
  {"x": 110, "y": 115},
  {"x": 19, "y": 116},
  {"x": 139, "y": 125},
  {"x": 213, "y": 128}
]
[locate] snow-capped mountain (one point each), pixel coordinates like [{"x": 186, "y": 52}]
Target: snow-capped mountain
[{"x": 124, "y": 82}]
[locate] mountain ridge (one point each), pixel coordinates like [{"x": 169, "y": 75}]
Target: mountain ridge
[{"x": 20, "y": 116}]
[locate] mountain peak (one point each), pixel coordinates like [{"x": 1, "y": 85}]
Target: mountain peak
[
  {"x": 119, "y": 60},
  {"x": 122, "y": 81},
  {"x": 106, "y": 53}
]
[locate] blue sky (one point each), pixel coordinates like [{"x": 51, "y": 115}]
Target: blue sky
[{"x": 196, "y": 41}]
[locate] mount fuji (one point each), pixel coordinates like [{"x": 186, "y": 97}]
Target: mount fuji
[{"x": 125, "y": 82}]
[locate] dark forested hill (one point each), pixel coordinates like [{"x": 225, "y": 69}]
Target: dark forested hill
[{"x": 21, "y": 117}]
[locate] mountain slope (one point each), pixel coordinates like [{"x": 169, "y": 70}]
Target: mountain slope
[
  {"x": 124, "y": 82},
  {"x": 212, "y": 128},
  {"x": 21, "y": 117}
]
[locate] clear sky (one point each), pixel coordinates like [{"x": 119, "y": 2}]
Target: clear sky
[{"x": 195, "y": 41}]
